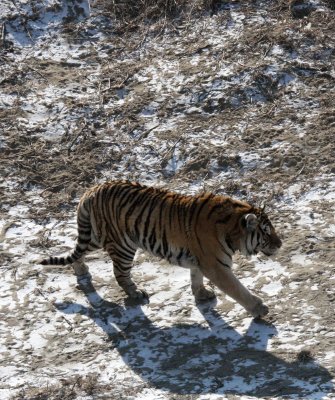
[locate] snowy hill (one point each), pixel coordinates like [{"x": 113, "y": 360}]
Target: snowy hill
[{"x": 232, "y": 97}]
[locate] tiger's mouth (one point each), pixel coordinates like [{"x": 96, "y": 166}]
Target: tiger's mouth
[{"x": 270, "y": 252}]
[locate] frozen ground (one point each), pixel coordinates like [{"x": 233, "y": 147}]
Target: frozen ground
[{"x": 238, "y": 101}]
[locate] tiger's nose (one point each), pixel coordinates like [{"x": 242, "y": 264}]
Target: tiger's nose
[{"x": 278, "y": 243}]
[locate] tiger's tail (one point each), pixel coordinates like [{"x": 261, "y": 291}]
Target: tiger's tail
[
  {"x": 83, "y": 240},
  {"x": 78, "y": 252}
]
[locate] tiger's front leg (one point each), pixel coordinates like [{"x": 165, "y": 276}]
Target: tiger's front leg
[
  {"x": 224, "y": 279},
  {"x": 200, "y": 291}
]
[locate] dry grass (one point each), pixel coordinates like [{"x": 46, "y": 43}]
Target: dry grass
[
  {"x": 38, "y": 162},
  {"x": 155, "y": 9},
  {"x": 66, "y": 389},
  {"x": 129, "y": 15}
]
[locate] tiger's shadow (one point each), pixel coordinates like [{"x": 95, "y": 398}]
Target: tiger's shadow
[{"x": 194, "y": 358}]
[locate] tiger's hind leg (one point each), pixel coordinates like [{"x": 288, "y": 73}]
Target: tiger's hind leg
[
  {"x": 200, "y": 291},
  {"x": 123, "y": 257},
  {"x": 79, "y": 266}
]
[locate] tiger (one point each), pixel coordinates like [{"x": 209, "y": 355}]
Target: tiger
[{"x": 200, "y": 232}]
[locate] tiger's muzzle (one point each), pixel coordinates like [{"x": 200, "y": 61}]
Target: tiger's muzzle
[{"x": 273, "y": 247}]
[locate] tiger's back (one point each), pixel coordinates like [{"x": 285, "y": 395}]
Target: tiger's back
[{"x": 200, "y": 232}]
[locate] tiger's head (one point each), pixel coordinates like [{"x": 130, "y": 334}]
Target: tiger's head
[{"x": 260, "y": 235}]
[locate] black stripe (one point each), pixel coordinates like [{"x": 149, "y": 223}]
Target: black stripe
[
  {"x": 202, "y": 205},
  {"x": 162, "y": 206},
  {"x": 188, "y": 254},
  {"x": 92, "y": 247},
  {"x": 196, "y": 217},
  {"x": 85, "y": 205},
  {"x": 180, "y": 255},
  {"x": 190, "y": 213},
  {"x": 152, "y": 239},
  {"x": 78, "y": 252},
  {"x": 128, "y": 244},
  {"x": 199, "y": 241},
  {"x": 82, "y": 221},
  {"x": 224, "y": 220},
  {"x": 164, "y": 244},
  {"x": 84, "y": 231},
  {"x": 181, "y": 214},
  {"x": 122, "y": 253},
  {"x": 122, "y": 257},
  {"x": 172, "y": 209},
  {"x": 85, "y": 241},
  {"x": 135, "y": 203},
  {"x": 222, "y": 263},
  {"x": 169, "y": 256},
  {"x": 147, "y": 223},
  {"x": 159, "y": 251},
  {"x": 124, "y": 199},
  {"x": 214, "y": 209},
  {"x": 137, "y": 225},
  {"x": 107, "y": 201},
  {"x": 229, "y": 244},
  {"x": 122, "y": 270},
  {"x": 108, "y": 214}
]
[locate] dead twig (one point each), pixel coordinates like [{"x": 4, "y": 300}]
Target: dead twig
[
  {"x": 37, "y": 72},
  {"x": 171, "y": 149},
  {"x": 146, "y": 133},
  {"x": 3, "y": 35},
  {"x": 23, "y": 20},
  {"x": 121, "y": 84},
  {"x": 5, "y": 229},
  {"x": 39, "y": 291},
  {"x": 140, "y": 44},
  {"x": 76, "y": 138},
  {"x": 297, "y": 174}
]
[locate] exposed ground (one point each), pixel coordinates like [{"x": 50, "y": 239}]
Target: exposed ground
[{"x": 234, "y": 97}]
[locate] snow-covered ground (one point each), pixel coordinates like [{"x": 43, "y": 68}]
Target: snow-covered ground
[{"x": 237, "y": 102}]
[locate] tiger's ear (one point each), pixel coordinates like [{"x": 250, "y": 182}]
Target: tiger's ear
[{"x": 250, "y": 222}]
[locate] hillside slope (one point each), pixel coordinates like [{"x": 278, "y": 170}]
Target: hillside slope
[{"x": 233, "y": 97}]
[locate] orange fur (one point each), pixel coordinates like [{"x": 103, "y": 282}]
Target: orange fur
[{"x": 199, "y": 232}]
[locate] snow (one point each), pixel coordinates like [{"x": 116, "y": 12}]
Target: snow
[
  {"x": 171, "y": 321},
  {"x": 272, "y": 289}
]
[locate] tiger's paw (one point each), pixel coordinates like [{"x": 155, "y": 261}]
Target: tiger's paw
[
  {"x": 138, "y": 294},
  {"x": 259, "y": 310},
  {"x": 80, "y": 268},
  {"x": 203, "y": 293},
  {"x": 136, "y": 297}
]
